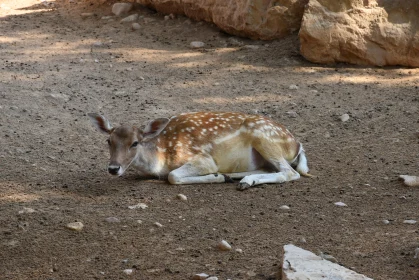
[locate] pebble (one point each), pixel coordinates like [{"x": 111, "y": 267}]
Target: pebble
[
  {"x": 292, "y": 114},
  {"x": 121, "y": 8},
  {"x": 106, "y": 17},
  {"x": 130, "y": 18},
  {"x": 197, "y": 44},
  {"x": 224, "y": 246},
  {"x": 136, "y": 26},
  {"x": 77, "y": 226},
  {"x": 26, "y": 210},
  {"x": 410, "y": 222},
  {"x": 251, "y": 47},
  {"x": 341, "y": 204},
  {"x": 139, "y": 205},
  {"x": 302, "y": 240},
  {"x": 112, "y": 220},
  {"x": 411, "y": 181},
  {"x": 344, "y": 117},
  {"x": 284, "y": 207},
  {"x": 212, "y": 278},
  {"x": 87, "y": 14},
  {"x": 182, "y": 197},
  {"x": 295, "y": 87},
  {"x": 240, "y": 251},
  {"x": 200, "y": 276},
  {"x": 157, "y": 224},
  {"x": 128, "y": 271},
  {"x": 386, "y": 222}
]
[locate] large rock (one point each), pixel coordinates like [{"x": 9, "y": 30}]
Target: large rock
[
  {"x": 256, "y": 19},
  {"x": 366, "y": 32},
  {"x": 299, "y": 264}
]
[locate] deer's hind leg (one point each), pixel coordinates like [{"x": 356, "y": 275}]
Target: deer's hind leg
[{"x": 274, "y": 154}]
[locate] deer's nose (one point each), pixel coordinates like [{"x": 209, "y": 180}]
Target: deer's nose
[{"x": 114, "y": 169}]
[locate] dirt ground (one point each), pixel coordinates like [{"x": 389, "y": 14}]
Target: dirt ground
[{"x": 56, "y": 66}]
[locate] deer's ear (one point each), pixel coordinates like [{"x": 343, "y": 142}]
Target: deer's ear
[
  {"x": 101, "y": 123},
  {"x": 154, "y": 128}
]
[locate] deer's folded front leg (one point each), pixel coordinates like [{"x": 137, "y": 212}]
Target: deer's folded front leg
[{"x": 201, "y": 169}]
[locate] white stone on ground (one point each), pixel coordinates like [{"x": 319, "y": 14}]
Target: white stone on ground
[
  {"x": 130, "y": 18},
  {"x": 293, "y": 87},
  {"x": 284, "y": 207},
  {"x": 182, "y": 197},
  {"x": 344, "y": 118},
  {"x": 128, "y": 271},
  {"x": 302, "y": 264},
  {"x": 341, "y": 204},
  {"x": 26, "y": 210},
  {"x": 76, "y": 226},
  {"x": 411, "y": 181},
  {"x": 121, "y": 8},
  {"x": 224, "y": 246},
  {"x": 136, "y": 26},
  {"x": 410, "y": 222},
  {"x": 200, "y": 276},
  {"x": 139, "y": 205},
  {"x": 197, "y": 44}
]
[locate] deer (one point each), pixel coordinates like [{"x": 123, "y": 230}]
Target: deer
[{"x": 206, "y": 147}]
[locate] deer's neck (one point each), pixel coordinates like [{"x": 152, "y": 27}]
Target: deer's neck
[{"x": 148, "y": 160}]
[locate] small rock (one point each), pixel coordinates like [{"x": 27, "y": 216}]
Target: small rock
[
  {"x": 121, "y": 8},
  {"x": 284, "y": 207},
  {"x": 251, "y": 47},
  {"x": 166, "y": 17},
  {"x": 136, "y": 26},
  {"x": 386, "y": 222},
  {"x": 157, "y": 224},
  {"x": 139, "y": 222},
  {"x": 411, "y": 181},
  {"x": 224, "y": 246},
  {"x": 77, "y": 226},
  {"x": 182, "y": 197},
  {"x": 292, "y": 114},
  {"x": 410, "y": 222},
  {"x": 294, "y": 87},
  {"x": 341, "y": 204},
  {"x": 302, "y": 240},
  {"x": 112, "y": 220},
  {"x": 84, "y": 15},
  {"x": 197, "y": 44},
  {"x": 251, "y": 273},
  {"x": 14, "y": 108},
  {"x": 416, "y": 253},
  {"x": 344, "y": 117},
  {"x": 212, "y": 278},
  {"x": 200, "y": 276},
  {"x": 128, "y": 271},
  {"x": 240, "y": 251},
  {"x": 130, "y": 18},
  {"x": 26, "y": 210},
  {"x": 106, "y": 17},
  {"x": 139, "y": 205}
]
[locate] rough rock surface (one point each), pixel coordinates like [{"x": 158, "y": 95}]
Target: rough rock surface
[
  {"x": 301, "y": 264},
  {"x": 369, "y": 32},
  {"x": 256, "y": 19}
]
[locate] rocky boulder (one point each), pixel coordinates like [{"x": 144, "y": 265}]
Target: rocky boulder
[
  {"x": 366, "y": 32},
  {"x": 256, "y": 19},
  {"x": 301, "y": 264}
]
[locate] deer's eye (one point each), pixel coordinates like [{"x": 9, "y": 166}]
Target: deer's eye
[{"x": 135, "y": 144}]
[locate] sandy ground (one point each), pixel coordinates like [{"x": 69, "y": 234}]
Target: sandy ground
[{"x": 56, "y": 66}]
